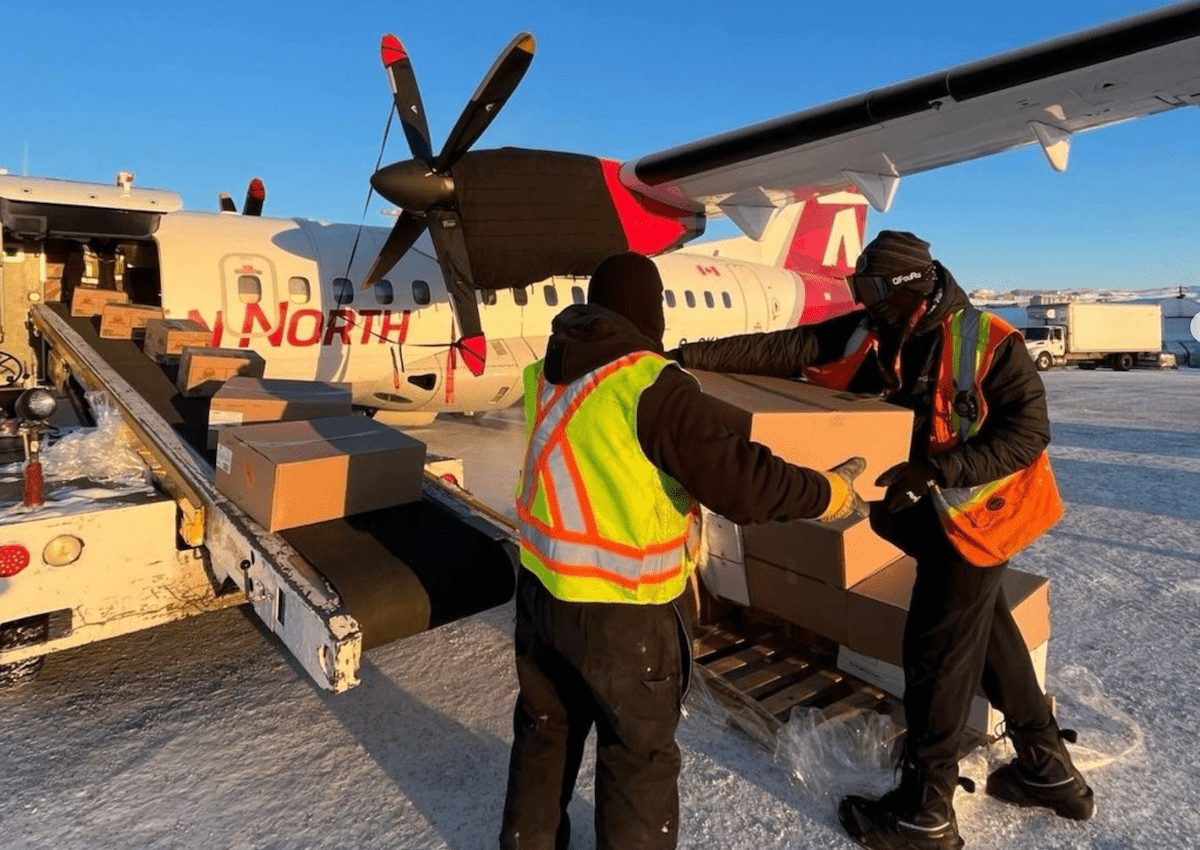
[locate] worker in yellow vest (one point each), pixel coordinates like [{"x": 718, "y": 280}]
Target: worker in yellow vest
[
  {"x": 622, "y": 444},
  {"x": 977, "y": 488}
]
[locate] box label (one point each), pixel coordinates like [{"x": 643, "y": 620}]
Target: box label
[{"x": 224, "y": 459}]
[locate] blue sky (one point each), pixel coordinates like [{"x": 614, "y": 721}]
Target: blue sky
[{"x": 199, "y": 98}]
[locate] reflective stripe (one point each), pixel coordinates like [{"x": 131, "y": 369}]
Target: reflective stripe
[{"x": 561, "y": 537}]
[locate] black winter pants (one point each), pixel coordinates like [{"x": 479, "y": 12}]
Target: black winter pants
[
  {"x": 959, "y": 635},
  {"x": 617, "y": 667}
]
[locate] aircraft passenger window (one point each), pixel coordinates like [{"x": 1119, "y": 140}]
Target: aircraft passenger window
[
  {"x": 421, "y": 293},
  {"x": 551, "y": 295},
  {"x": 383, "y": 292},
  {"x": 489, "y": 296},
  {"x": 520, "y": 297},
  {"x": 343, "y": 291},
  {"x": 708, "y": 300},
  {"x": 669, "y": 296},
  {"x": 577, "y": 295},
  {"x": 249, "y": 289},
  {"x": 726, "y": 300},
  {"x": 689, "y": 298},
  {"x": 299, "y": 292}
]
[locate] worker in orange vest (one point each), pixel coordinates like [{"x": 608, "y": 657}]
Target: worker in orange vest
[{"x": 976, "y": 488}]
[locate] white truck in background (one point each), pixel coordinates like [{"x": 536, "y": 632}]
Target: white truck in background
[{"x": 1094, "y": 334}]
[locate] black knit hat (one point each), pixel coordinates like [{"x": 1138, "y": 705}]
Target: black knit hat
[
  {"x": 896, "y": 255},
  {"x": 630, "y": 284}
]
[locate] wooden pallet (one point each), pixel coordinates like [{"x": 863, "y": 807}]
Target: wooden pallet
[{"x": 760, "y": 670}]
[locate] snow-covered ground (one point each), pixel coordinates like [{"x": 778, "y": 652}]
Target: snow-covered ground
[{"x": 203, "y": 734}]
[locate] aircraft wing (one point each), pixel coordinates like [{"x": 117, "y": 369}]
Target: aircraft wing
[{"x": 1042, "y": 94}]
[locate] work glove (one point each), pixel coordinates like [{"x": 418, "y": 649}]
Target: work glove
[
  {"x": 843, "y": 499},
  {"x": 907, "y": 483}
]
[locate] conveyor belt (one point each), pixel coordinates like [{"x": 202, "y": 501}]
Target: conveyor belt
[{"x": 398, "y": 571}]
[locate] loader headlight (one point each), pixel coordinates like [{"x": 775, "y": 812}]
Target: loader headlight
[{"x": 62, "y": 550}]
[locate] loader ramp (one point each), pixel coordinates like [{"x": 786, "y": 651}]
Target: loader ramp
[{"x": 329, "y": 590}]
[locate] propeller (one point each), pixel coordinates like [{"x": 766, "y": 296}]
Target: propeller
[
  {"x": 256, "y": 193},
  {"x": 424, "y": 189}
]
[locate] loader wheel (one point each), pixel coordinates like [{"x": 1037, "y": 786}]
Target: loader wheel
[
  {"x": 1044, "y": 361},
  {"x": 1123, "y": 362}
]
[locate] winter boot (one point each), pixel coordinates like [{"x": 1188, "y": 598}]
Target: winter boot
[
  {"x": 917, "y": 815},
  {"x": 1042, "y": 773}
]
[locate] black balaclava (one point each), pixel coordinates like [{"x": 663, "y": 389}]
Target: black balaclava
[
  {"x": 901, "y": 272},
  {"x": 629, "y": 284}
]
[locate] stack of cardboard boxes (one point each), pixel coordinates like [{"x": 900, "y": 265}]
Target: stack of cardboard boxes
[
  {"x": 839, "y": 580},
  {"x": 293, "y": 453}
]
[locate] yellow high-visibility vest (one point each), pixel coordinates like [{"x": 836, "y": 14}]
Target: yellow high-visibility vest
[{"x": 599, "y": 522}]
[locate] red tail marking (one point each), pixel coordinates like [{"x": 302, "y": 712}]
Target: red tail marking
[{"x": 391, "y": 50}]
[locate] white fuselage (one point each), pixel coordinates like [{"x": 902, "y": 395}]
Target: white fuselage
[{"x": 283, "y": 287}]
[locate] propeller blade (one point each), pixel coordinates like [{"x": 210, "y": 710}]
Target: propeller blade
[
  {"x": 446, "y": 230},
  {"x": 227, "y": 204},
  {"x": 407, "y": 97},
  {"x": 498, "y": 85},
  {"x": 256, "y": 193},
  {"x": 404, "y": 233}
]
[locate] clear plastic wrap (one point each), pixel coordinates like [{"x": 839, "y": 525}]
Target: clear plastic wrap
[
  {"x": 830, "y": 757},
  {"x": 105, "y": 454}
]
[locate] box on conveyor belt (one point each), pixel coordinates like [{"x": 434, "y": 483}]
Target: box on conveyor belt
[
  {"x": 166, "y": 338},
  {"x": 125, "y": 321},
  {"x": 877, "y": 607},
  {"x": 840, "y": 553},
  {"x": 813, "y": 426},
  {"x": 984, "y": 718},
  {"x": 89, "y": 301},
  {"x": 203, "y": 370},
  {"x": 287, "y": 474},
  {"x": 241, "y": 401}
]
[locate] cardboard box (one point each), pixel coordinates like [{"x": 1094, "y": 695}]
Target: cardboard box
[
  {"x": 812, "y": 426},
  {"x": 242, "y": 401},
  {"x": 984, "y": 719},
  {"x": 89, "y": 301},
  {"x": 166, "y": 338},
  {"x": 840, "y": 553},
  {"x": 202, "y": 371},
  {"x": 877, "y": 607},
  {"x": 798, "y": 599},
  {"x": 125, "y": 321},
  {"x": 286, "y": 474},
  {"x": 723, "y": 571}
]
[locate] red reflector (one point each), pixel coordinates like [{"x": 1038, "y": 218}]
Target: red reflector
[
  {"x": 13, "y": 558},
  {"x": 451, "y": 477}
]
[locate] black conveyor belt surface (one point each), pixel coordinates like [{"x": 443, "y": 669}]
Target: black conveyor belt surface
[{"x": 399, "y": 571}]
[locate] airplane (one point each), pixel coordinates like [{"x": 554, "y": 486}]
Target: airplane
[{"x": 489, "y": 244}]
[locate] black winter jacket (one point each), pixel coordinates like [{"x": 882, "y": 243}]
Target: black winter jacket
[
  {"x": 1017, "y": 427},
  {"x": 680, "y": 429}
]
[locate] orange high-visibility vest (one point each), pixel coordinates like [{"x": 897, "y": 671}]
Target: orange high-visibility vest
[
  {"x": 991, "y": 522},
  {"x": 599, "y": 522}
]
